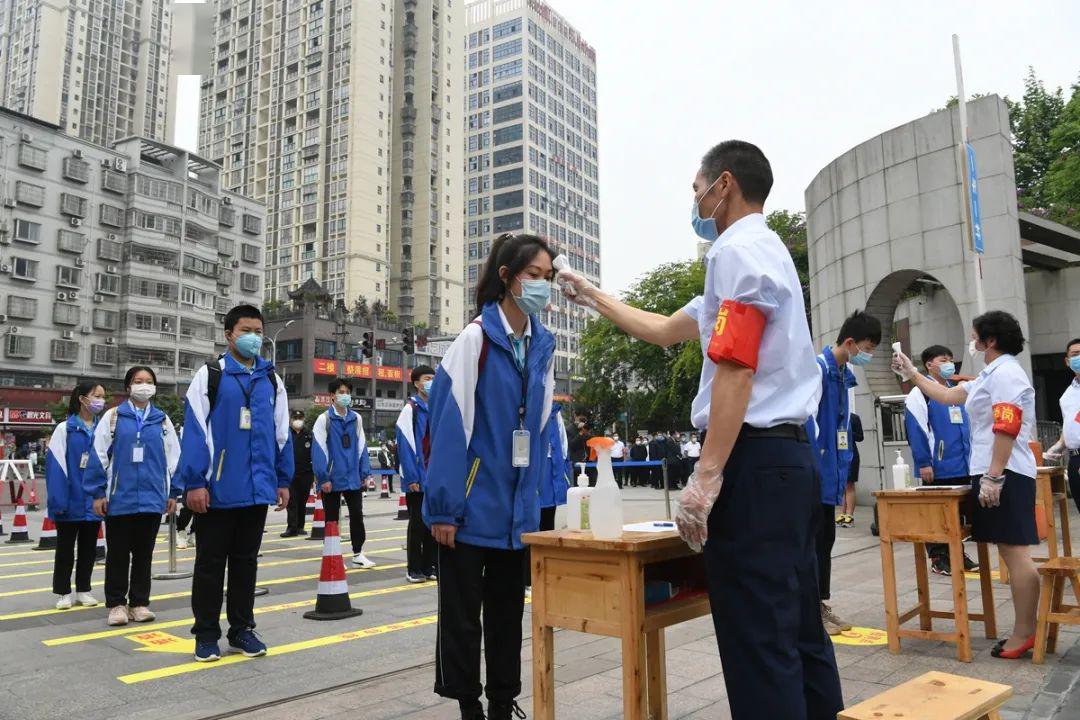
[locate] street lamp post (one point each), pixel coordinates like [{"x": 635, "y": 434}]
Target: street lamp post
[{"x": 273, "y": 340}]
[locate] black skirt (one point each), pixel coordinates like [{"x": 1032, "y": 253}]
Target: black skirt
[{"x": 1013, "y": 521}]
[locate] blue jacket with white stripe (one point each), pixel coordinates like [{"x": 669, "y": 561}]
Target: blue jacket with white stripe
[
  {"x": 412, "y": 435},
  {"x": 936, "y": 441},
  {"x": 472, "y": 482},
  {"x": 339, "y": 451},
  {"x": 67, "y": 501},
  {"x": 833, "y": 416}
]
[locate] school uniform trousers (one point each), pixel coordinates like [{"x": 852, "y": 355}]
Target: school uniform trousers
[
  {"x": 419, "y": 544},
  {"x": 354, "y": 499},
  {"x": 763, "y": 581},
  {"x": 69, "y": 535},
  {"x": 227, "y": 537},
  {"x": 130, "y": 547}
]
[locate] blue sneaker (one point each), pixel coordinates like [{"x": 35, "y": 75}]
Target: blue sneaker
[
  {"x": 207, "y": 651},
  {"x": 247, "y": 642}
]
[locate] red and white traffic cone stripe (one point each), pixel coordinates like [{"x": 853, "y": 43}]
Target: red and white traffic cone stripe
[
  {"x": 99, "y": 553},
  {"x": 309, "y": 510},
  {"x": 19, "y": 533},
  {"x": 384, "y": 489},
  {"x": 332, "y": 601},
  {"x": 318, "y": 521},
  {"x": 402, "y": 507},
  {"x": 47, "y": 539},
  {"x": 2, "y": 533}
]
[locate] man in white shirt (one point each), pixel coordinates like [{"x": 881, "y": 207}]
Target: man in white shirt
[
  {"x": 1070, "y": 421},
  {"x": 759, "y": 383},
  {"x": 691, "y": 451},
  {"x": 618, "y": 451}
]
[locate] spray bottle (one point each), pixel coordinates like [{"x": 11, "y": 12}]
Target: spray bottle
[
  {"x": 901, "y": 473},
  {"x": 577, "y": 503},
  {"x": 605, "y": 505}
]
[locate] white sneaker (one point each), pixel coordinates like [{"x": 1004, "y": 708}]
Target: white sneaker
[
  {"x": 64, "y": 603},
  {"x": 118, "y": 615},
  {"x": 362, "y": 561},
  {"x": 181, "y": 542},
  {"x": 191, "y": 538},
  {"x": 86, "y": 599},
  {"x": 528, "y": 592}
]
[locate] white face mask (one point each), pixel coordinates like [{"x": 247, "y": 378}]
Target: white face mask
[
  {"x": 298, "y": 424},
  {"x": 143, "y": 391}
]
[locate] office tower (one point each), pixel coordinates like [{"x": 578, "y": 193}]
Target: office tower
[
  {"x": 99, "y": 70},
  {"x": 531, "y": 162}
]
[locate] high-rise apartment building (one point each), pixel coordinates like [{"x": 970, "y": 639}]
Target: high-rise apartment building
[
  {"x": 99, "y": 70},
  {"x": 531, "y": 147},
  {"x": 301, "y": 111}
]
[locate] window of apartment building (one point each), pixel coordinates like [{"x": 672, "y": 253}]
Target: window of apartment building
[
  {"x": 289, "y": 350},
  {"x": 249, "y": 282},
  {"x": 65, "y": 313},
  {"x": 107, "y": 284},
  {"x": 506, "y": 92},
  {"x": 252, "y": 224},
  {"x": 507, "y": 134},
  {"x": 226, "y": 215},
  {"x": 113, "y": 181},
  {"x": 19, "y": 346},
  {"x": 29, "y": 194},
  {"x": 507, "y": 178},
  {"x": 511, "y": 47},
  {"x": 23, "y": 269},
  {"x": 249, "y": 253},
  {"x": 68, "y": 276},
  {"x": 21, "y": 308},
  {"x": 65, "y": 350},
  {"x": 325, "y": 349},
  {"x": 27, "y": 232},
  {"x": 109, "y": 249},
  {"x": 506, "y": 29},
  {"x": 73, "y": 205},
  {"x": 106, "y": 319},
  {"x": 506, "y": 201},
  {"x": 506, "y": 70},
  {"x": 111, "y": 215},
  {"x": 76, "y": 169},
  {"x": 32, "y": 157},
  {"x": 506, "y": 223},
  {"x": 70, "y": 241},
  {"x": 506, "y": 113},
  {"x": 103, "y": 354}
]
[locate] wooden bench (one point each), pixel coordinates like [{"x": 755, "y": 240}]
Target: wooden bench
[
  {"x": 934, "y": 696},
  {"x": 1052, "y": 611}
]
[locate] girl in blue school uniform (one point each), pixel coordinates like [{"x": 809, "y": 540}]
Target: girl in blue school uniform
[
  {"x": 129, "y": 476},
  {"x": 490, "y": 404},
  {"x": 69, "y": 506}
]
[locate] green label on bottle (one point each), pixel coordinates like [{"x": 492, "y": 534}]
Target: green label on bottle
[{"x": 585, "y": 513}]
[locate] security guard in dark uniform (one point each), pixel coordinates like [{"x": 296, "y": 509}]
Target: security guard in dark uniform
[
  {"x": 754, "y": 499},
  {"x": 302, "y": 479}
]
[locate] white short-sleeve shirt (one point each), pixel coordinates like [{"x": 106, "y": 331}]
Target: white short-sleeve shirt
[
  {"x": 1070, "y": 415},
  {"x": 1002, "y": 381},
  {"x": 749, "y": 264}
]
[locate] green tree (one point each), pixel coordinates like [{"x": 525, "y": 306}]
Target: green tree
[
  {"x": 791, "y": 227},
  {"x": 1033, "y": 121},
  {"x": 1062, "y": 180}
]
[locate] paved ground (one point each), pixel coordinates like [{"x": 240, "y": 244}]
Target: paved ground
[{"x": 70, "y": 664}]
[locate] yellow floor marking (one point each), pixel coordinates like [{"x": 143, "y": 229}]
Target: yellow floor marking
[
  {"x": 171, "y": 596},
  {"x": 161, "y": 642},
  {"x": 129, "y": 629}
]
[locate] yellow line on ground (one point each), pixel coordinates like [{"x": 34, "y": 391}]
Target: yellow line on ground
[
  {"x": 171, "y": 596},
  {"x": 190, "y": 667},
  {"x": 191, "y": 558},
  {"x": 150, "y": 627}
]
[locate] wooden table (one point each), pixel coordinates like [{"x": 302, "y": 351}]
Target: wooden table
[
  {"x": 934, "y": 696},
  {"x": 598, "y": 587},
  {"x": 921, "y": 517}
]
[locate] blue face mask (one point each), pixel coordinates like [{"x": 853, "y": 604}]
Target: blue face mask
[
  {"x": 343, "y": 400},
  {"x": 535, "y": 296},
  {"x": 862, "y": 359},
  {"x": 427, "y": 386},
  {"x": 947, "y": 370},
  {"x": 249, "y": 345},
  {"x": 1074, "y": 363},
  {"x": 705, "y": 227}
]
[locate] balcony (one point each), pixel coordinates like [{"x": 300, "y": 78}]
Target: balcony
[{"x": 408, "y": 114}]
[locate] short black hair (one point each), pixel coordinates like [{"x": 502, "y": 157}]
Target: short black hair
[
  {"x": 1074, "y": 341},
  {"x": 135, "y": 369},
  {"x": 338, "y": 383},
  {"x": 240, "y": 312},
  {"x": 84, "y": 387},
  {"x": 1002, "y": 327},
  {"x": 420, "y": 371},
  {"x": 860, "y": 326},
  {"x": 746, "y": 163},
  {"x": 935, "y": 351}
]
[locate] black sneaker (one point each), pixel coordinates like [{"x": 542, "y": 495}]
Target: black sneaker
[
  {"x": 505, "y": 711},
  {"x": 289, "y": 533},
  {"x": 969, "y": 564},
  {"x": 471, "y": 710},
  {"x": 940, "y": 566}
]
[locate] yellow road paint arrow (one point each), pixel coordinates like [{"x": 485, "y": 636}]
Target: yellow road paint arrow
[{"x": 162, "y": 642}]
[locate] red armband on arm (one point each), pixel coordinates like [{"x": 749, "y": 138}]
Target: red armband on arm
[
  {"x": 737, "y": 334},
  {"x": 1007, "y": 419}
]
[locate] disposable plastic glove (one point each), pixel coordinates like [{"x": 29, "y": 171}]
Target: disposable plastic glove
[
  {"x": 990, "y": 491},
  {"x": 1054, "y": 453},
  {"x": 902, "y": 366},
  {"x": 695, "y": 504},
  {"x": 577, "y": 288}
]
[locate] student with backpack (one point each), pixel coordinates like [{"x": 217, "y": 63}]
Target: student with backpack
[
  {"x": 237, "y": 459},
  {"x": 129, "y": 476},
  {"x": 412, "y": 431},
  {"x": 490, "y": 404}
]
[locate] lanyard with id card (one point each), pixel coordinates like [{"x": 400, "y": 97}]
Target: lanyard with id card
[
  {"x": 956, "y": 417},
  {"x": 245, "y": 411},
  {"x": 521, "y": 439},
  {"x": 137, "y": 448}
]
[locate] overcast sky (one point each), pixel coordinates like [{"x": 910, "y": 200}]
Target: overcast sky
[{"x": 805, "y": 80}]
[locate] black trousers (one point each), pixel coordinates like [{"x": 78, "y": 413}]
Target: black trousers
[
  {"x": 471, "y": 579},
  {"x": 227, "y": 536},
  {"x": 420, "y": 546},
  {"x": 298, "y": 495},
  {"x": 183, "y": 518},
  {"x": 763, "y": 585},
  {"x": 1074, "y": 477},
  {"x": 130, "y": 546},
  {"x": 826, "y": 538},
  {"x": 547, "y": 522},
  {"x": 68, "y": 534},
  {"x": 354, "y": 499}
]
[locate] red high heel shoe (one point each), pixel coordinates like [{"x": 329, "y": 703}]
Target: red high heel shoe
[{"x": 999, "y": 650}]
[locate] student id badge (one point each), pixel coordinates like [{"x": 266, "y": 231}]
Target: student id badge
[
  {"x": 137, "y": 453},
  {"x": 955, "y": 416},
  {"x": 842, "y": 440},
  {"x": 245, "y": 418},
  {"x": 84, "y": 460},
  {"x": 521, "y": 448},
  {"x": 346, "y": 441}
]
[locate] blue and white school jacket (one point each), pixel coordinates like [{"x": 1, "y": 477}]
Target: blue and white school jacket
[
  {"x": 474, "y": 403},
  {"x": 936, "y": 440},
  {"x": 71, "y": 441},
  {"x": 833, "y": 417},
  {"x": 556, "y": 481},
  {"x": 133, "y": 487},
  {"x": 241, "y": 468},
  {"x": 412, "y": 437},
  {"x": 343, "y": 467}
]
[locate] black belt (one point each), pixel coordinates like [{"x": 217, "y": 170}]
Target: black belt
[{"x": 783, "y": 432}]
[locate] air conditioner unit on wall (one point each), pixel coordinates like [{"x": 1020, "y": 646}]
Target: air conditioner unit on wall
[
  {"x": 9, "y": 202},
  {"x": 110, "y": 341},
  {"x": 3, "y": 318},
  {"x": 76, "y": 222},
  {"x": 120, "y": 164},
  {"x": 73, "y": 296},
  {"x": 67, "y": 334},
  {"x": 111, "y": 269},
  {"x": 61, "y": 296},
  {"x": 25, "y": 137},
  {"x": 77, "y": 153},
  {"x": 5, "y": 268},
  {"x": 106, "y": 162},
  {"x": 85, "y": 330},
  {"x": 79, "y": 262},
  {"x": 13, "y": 330},
  {"x": 99, "y": 298}
]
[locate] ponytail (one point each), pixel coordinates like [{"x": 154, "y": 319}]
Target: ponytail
[{"x": 514, "y": 252}]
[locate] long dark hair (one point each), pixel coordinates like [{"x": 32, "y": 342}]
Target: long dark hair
[
  {"x": 85, "y": 387},
  {"x": 513, "y": 251}
]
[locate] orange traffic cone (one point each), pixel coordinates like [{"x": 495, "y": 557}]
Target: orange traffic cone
[
  {"x": 19, "y": 533},
  {"x": 402, "y": 507},
  {"x": 47, "y": 539},
  {"x": 32, "y": 504},
  {"x": 384, "y": 489},
  {"x": 99, "y": 551},
  {"x": 332, "y": 601},
  {"x": 309, "y": 510},
  {"x": 318, "y": 521}
]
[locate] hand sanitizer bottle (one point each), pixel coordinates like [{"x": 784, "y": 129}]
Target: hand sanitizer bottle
[
  {"x": 605, "y": 505},
  {"x": 577, "y": 503}
]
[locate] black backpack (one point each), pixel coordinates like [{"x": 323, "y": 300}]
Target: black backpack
[{"x": 213, "y": 381}]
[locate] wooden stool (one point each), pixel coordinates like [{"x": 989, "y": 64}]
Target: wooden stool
[
  {"x": 1052, "y": 611},
  {"x": 934, "y": 696}
]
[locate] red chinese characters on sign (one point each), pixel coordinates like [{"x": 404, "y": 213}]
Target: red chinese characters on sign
[
  {"x": 18, "y": 416},
  {"x": 355, "y": 370}
]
